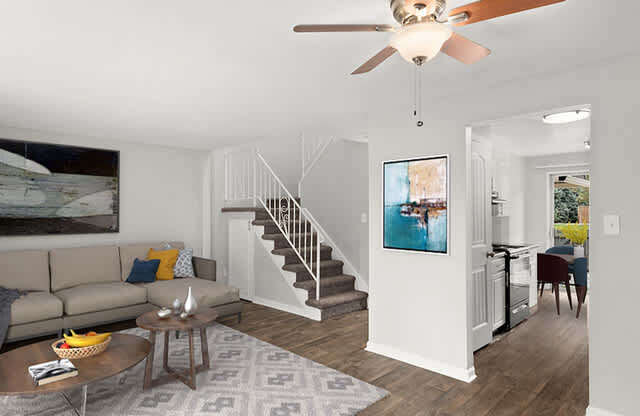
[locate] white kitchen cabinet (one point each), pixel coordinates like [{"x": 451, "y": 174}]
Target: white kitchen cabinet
[
  {"x": 498, "y": 284},
  {"x": 240, "y": 260}
]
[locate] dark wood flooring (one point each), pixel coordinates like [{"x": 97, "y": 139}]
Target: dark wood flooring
[{"x": 540, "y": 368}]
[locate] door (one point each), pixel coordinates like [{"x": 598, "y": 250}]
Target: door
[
  {"x": 241, "y": 256},
  {"x": 482, "y": 296}
]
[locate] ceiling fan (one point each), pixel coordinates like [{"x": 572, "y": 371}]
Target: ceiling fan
[{"x": 425, "y": 30}]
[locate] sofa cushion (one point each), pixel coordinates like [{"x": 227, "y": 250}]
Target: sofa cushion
[
  {"x": 167, "y": 262},
  {"x": 143, "y": 271},
  {"x": 78, "y": 266},
  {"x": 130, "y": 252},
  {"x": 25, "y": 270},
  {"x": 101, "y": 297},
  {"x": 184, "y": 264},
  {"x": 34, "y": 307},
  {"x": 207, "y": 293}
]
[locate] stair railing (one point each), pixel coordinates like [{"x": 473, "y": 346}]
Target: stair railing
[
  {"x": 301, "y": 230},
  {"x": 239, "y": 164},
  {"x": 312, "y": 151}
]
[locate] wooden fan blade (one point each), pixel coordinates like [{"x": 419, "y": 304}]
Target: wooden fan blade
[
  {"x": 342, "y": 28},
  {"x": 464, "y": 50},
  {"x": 372, "y": 63},
  {"x": 489, "y": 9}
]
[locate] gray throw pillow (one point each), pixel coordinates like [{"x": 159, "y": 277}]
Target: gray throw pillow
[{"x": 184, "y": 264}]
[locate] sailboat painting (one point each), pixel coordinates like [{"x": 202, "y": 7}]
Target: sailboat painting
[
  {"x": 416, "y": 205},
  {"x": 57, "y": 189}
]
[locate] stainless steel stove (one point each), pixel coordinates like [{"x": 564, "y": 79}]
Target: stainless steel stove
[{"x": 518, "y": 271}]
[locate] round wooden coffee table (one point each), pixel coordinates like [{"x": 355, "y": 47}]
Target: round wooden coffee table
[
  {"x": 123, "y": 352},
  {"x": 154, "y": 324}
]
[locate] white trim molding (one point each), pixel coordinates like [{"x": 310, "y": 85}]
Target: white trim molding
[
  {"x": 467, "y": 375},
  {"x": 594, "y": 411},
  {"x": 310, "y": 313}
]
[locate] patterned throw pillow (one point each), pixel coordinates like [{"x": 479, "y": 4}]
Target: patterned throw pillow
[{"x": 184, "y": 264}]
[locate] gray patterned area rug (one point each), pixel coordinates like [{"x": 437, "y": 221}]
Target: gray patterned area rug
[{"x": 247, "y": 377}]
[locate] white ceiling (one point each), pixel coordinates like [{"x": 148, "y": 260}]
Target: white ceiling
[
  {"x": 205, "y": 73},
  {"x": 527, "y": 135}
]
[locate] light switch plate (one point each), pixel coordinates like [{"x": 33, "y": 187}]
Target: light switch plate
[
  {"x": 612, "y": 225},
  {"x": 363, "y": 218}
]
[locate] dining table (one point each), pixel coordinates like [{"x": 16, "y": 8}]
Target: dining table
[{"x": 569, "y": 258}]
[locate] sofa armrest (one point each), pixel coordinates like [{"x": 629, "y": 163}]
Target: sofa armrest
[{"x": 204, "y": 268}]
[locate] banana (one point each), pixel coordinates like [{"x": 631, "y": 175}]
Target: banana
[{"x": 85, "y": 341}]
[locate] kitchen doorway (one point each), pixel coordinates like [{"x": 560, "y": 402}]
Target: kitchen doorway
[{"x": 529, "y": 193}]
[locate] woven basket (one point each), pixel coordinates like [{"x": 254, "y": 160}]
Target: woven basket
[{"x": 77, "y": 353}]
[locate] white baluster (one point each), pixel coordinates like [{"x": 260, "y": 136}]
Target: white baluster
[{"x": 318, "y": 268}]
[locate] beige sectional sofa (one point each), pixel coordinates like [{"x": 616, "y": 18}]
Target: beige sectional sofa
[{"x": 83, "y": 287}]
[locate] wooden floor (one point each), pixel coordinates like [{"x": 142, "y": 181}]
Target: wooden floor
[{"x": 540, "y": 368}]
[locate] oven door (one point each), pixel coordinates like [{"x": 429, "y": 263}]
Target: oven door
[
  {"x": 518, "y": 313},
  {"x": 520, "y": 269}
]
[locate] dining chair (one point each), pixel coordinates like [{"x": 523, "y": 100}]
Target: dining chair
[
  {"x": 559, "y": 250},
  {"x": 580, "y": 274},
  {"x": 554, "y": 270}
]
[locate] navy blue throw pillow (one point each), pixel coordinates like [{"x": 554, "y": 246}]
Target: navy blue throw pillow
[{"x": 143, "y": 271}]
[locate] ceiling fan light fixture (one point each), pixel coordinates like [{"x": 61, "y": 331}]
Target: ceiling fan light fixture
[
  {"x": 567, "y": 116},
  {"x": 420, "y": 42}
]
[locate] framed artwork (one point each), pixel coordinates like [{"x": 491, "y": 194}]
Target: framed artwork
[
  {"x": 56, "y": 189},
  {"x": 416, "y": 204}
]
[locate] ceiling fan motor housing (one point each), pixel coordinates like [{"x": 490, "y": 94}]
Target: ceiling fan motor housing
[{"x": 414, "y": 11}]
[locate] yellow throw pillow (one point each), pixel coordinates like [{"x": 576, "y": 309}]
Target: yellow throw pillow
[{"x": 167, "y": 259}]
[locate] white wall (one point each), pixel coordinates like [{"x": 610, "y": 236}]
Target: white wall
[
  {"x": 336, "y": 192},
  {"x": 510, "y": 181},
  {"x": 539, "y": 198},
  {"x": 418, "y": 304},
  {"x": 161, "y": 195}
]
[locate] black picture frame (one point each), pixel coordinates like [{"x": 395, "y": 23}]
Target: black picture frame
[{"x": 67, "y": 189}]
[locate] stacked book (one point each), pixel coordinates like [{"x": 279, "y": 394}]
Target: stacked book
[{"x": 51, "y": 371}]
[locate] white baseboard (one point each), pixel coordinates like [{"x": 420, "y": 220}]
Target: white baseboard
[
  {"x": 462, "y": 374},
  {"x": 311, "y": 313},
  {"x": 594, "y": 411}
]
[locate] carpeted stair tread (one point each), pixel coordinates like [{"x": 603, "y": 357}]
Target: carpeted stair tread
[
  {"x": 280, "y": 236},
  {"x": 343, "y": 279},
  {"x": 291, "y": 252},
  {"x": 301, "y": 268},
  {"x": 334, "y": 300}
]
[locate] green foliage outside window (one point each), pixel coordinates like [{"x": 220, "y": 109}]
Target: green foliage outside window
[{"x": 566, "y": 206}]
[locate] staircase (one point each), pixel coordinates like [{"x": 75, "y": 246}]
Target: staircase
[
  {"x": 298, "y": 242},
  {"x": 337, "y": 294}
]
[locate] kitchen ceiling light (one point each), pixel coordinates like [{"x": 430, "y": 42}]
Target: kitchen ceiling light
[
  {"x": 420, "y": 42},
  {"x": 567, "y": 116}
]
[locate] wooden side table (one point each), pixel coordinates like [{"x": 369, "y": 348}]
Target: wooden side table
[{"x": 154, "y": 324}]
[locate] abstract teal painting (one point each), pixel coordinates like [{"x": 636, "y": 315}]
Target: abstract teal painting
[{"x": 416, "y": 205}]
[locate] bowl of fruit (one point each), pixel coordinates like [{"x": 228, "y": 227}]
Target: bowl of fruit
[{"x": 77, "y": 346}]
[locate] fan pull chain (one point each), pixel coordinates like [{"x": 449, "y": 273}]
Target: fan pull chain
[{"x": 417, "y": 95}]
